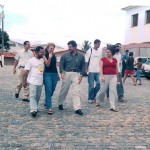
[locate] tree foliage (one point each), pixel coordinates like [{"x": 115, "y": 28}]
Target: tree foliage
[
  {"x": 6, "y": 40},
  {"x": 86, "y": 45}
]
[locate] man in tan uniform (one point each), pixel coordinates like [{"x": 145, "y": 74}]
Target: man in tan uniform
[{"x": 20, "y": 61}]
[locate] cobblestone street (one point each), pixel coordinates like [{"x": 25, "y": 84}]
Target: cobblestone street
[{"x": 98, "y": 129}]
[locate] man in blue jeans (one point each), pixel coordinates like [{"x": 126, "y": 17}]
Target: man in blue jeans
[
  {"x": 120, "y": 88},
  {"x": 124, "y": 59},
  {"x": 92, "y": 57}
]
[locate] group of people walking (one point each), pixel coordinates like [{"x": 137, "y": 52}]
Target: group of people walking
[{"x": 104, "y": 75}]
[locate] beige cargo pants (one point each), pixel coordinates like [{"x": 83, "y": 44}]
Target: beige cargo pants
[
  {"x": 111, "y": 82},
  {"x": 20, "y": 77},
  {"x": 71, "y": 78}
]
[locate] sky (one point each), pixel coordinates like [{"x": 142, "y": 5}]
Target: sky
[{"x": 58, "y": 21}]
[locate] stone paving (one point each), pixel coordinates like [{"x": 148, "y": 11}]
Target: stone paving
[{"x": 98, "y": 129}]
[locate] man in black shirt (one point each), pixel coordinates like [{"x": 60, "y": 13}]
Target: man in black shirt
[{"x": 72, "y": 69}]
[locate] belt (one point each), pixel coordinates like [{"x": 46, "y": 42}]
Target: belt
[
  {"x": 72, "y": 70},
  {"x": 21, "y": 67}
]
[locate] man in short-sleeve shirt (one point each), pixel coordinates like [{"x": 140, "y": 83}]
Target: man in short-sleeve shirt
[
  {"x": 21, "y": 59},
  {"x": 34, "y": 76},
  {"x": 120, "y": 88},
  {"x": 92, "y": 58},
  {"x": 124, "y": 59}
]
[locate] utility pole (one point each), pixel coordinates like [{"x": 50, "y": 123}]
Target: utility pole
[
  {"x": 3, "y": 33},
  {"x": 2, "y": 16}
]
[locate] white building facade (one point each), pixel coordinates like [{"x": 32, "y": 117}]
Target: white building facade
[{"x": 137, "y": 24}]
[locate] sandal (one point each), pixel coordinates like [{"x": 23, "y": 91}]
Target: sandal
[
  {"x": 97, "y": 105},
  {"x": 50, "y": 112},
  {"x": 115, "y": 110}
]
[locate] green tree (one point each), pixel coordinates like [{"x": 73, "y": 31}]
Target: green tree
[
  {"x": 86, "y": 45},
  {"x": 6, "y": 40}
]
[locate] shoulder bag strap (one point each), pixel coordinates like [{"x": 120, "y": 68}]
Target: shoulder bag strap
[{"x": 90, "y": 57}]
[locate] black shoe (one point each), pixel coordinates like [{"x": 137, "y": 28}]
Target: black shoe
[
  {"x": 34, "y": 113},
  {"x": 79, "y": 112},
  {"x": 25, "y": 100},
  {"x": 61, "y": 107},
  {"x": 16, "y": 95}
]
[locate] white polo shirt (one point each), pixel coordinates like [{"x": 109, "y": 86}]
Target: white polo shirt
[
  {"x": 96, "y": 55},
  {"x": 23, "y": 56}
]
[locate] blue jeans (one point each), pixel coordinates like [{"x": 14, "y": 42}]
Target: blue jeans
[
  {"x": 92, "y": 91},
  {"x": 50, "y": 82},
  {"x": 120, "y": 88},
  {"x": 138, "y": 74}
]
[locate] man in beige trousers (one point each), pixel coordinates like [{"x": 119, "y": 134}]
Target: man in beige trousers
[
  {"x": 72, "y": 69},
  {"x": 20, "y": 61}
]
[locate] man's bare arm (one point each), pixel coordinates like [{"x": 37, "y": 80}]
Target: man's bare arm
[
  {"x": 15, "y": 65},
  {"x": 26, "y": 72}
]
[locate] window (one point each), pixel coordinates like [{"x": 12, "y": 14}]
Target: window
[
  {"x": 148, "y": 61},
  {"x": 13, "y": 44},
  {"x": 145, "y": 52},
  {"x": 148, "y": 16},
  {"x": 134, "y": 20}
]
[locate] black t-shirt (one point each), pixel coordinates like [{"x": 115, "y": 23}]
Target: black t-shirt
[
  {"x": 130, "y": 63},
  {"x": 52, "y": 68}
]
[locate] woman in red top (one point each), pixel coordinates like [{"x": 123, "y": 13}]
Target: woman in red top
[{"x": 108, "y": 76}]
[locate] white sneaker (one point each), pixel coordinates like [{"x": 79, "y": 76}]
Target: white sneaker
[{"x": 90, "y": 101}]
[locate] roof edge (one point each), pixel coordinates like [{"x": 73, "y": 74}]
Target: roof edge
[{"x": 129, "y": 7}]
